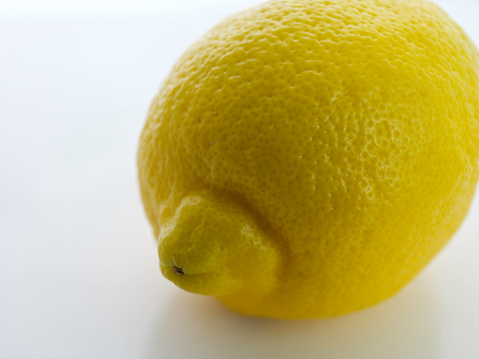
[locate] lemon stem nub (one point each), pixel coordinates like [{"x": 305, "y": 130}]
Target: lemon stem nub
[{"x": 178, "y": 270}]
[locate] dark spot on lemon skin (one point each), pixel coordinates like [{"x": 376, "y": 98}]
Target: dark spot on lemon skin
[{"x": 178, "y": 271}]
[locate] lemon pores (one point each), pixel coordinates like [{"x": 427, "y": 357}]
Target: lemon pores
[{"x": 309, "y": 158}]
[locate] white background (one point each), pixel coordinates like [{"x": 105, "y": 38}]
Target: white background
[{"x": 79, "y": 273}]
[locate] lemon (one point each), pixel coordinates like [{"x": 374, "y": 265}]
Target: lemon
[{"x": 308, "y": 158}]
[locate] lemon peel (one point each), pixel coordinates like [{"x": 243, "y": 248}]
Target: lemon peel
[{"x": 308, "y": 158}]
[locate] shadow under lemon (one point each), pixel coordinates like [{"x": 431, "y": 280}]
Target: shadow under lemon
[{"x": 405, "y": 326}]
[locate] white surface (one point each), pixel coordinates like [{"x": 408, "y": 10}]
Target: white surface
[{"x": 78, "y": 267}]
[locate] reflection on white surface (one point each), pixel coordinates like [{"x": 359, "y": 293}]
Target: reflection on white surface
[
  {"x": 404, "y": 327},
  {"x": 79, "y": 273}
]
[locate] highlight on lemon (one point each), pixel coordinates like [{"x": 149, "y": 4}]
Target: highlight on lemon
[{"x": 308, "y": 158}]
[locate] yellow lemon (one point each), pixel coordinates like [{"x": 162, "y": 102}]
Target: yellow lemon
[{"x": 307, "y": 158}]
